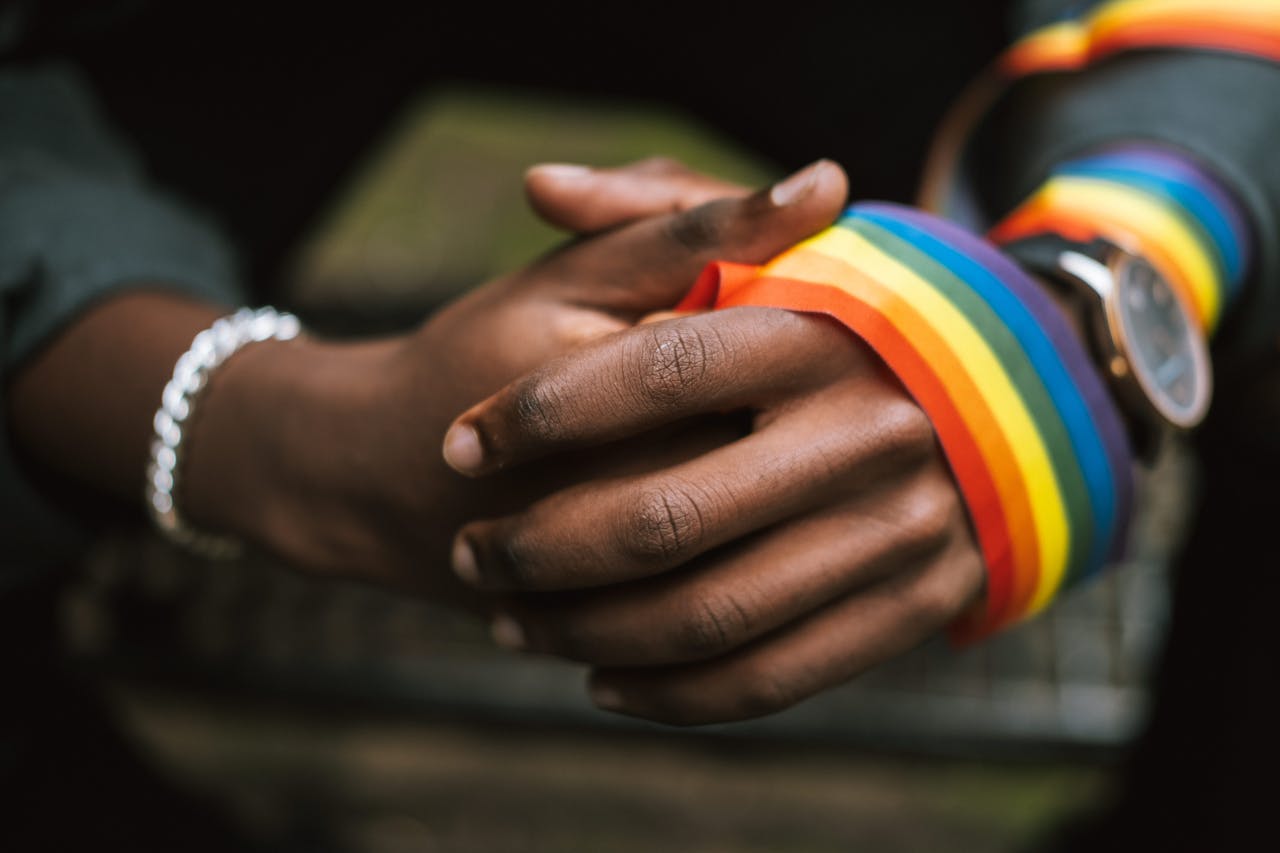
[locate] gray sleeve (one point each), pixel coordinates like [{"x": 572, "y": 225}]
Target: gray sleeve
[
  {"x": 1222, "y": 109},
  {"x": 78, "y": 222}
]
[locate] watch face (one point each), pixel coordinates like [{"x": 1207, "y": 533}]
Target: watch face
[{"x": 1165, "y": 349}]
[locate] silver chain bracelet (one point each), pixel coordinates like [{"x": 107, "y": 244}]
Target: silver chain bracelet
[{"x": 191, "y": 374}]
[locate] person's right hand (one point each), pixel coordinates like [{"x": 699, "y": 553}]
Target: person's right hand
[
  {"x": 327, "y": 453},
  {"x": 826, "y": 537}
]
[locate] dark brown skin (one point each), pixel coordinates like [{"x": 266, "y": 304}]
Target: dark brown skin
[
  {"x": 831, "y": 537},
  {"x": 827, "y": 539},
  {"x": 708, "y": 565},
  {"x": 326, "y": 453}
]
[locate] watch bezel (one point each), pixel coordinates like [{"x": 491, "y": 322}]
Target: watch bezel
[{"x": 1117, "y": 350}]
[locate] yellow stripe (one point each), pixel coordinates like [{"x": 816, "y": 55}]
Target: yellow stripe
[
  {"x": 1066, "y": 44},
  {"x": 1067, "y": 38},
  {"x": 1030, "y": 454},
  {"x": 1111, "y": 16},
  {"x": 1107, "y": 201}
]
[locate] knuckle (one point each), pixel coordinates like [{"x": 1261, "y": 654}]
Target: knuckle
[
  {"x": 713, "y": 625},
  {"x": 678, "y": 357},
  {"x": 664, "y": 524},
  {"x": 935, "y": 514},
  {"x": 906, "y": 431},
  {"x": 660, "y": 165},
  {"x": 763, "y": 691},
  {"x": 939, "y": 596},
  {"x": 517, "y": 559},
  {"x": 836, "y": 458},
  {"x": 697, "y": 230},
  {"x": 538, "y": 409}
]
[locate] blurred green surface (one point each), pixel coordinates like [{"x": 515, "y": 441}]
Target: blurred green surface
[{"x": 439, "y": 207}]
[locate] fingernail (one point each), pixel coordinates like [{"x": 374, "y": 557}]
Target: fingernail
[
  {"x": 796, "y": 187},
  {"x": 605, "y": 697},
  {"x": 462, "y": 448},
  {"x": 562, "y": 171},
  {"x": 507, "y": 633},
  {"x": 464, "y": 562}
]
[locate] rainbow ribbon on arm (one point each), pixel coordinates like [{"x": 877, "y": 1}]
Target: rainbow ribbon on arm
[
  {"x": 1099, "y": 33},
  {"x": 1031, "y": 435},
  {"x": 1237, "y": 26},
  {"x": 1156, "y": 203}
]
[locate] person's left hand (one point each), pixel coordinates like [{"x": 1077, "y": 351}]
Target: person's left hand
[{"x": 826, "y": 538}]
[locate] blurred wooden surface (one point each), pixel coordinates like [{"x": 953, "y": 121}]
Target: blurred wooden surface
[{"x": 368, "y": 783}]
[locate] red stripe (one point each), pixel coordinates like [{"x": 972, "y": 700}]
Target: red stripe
[{"x": 745, "y": 287}]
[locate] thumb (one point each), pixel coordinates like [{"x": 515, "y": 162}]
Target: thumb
[
  {"x": 586, "y": 200},
  {"x": 649, "y": 265}
]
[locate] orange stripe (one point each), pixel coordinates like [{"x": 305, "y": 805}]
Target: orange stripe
[
  {"x": 1037, "y": 216},
  {"x": 1193, "y": 21},
  {"x": 1062, "y": 48},
  {"x": 986, "y": 429},
  {"x": 966, "y": 413},
  {"x": 1205, "y": 34},
  {"x": 1070, "y": 46},
  {"x": 963, "y": 454}
]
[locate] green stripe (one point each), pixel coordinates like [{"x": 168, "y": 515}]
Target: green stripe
[{"x": 1022, "y": 372}]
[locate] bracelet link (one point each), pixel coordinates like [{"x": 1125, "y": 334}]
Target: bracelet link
[{"x": 208, "y": 350}]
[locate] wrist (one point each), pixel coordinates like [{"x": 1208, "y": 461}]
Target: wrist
[
  {"x": 1143, "y": 338},
  {"x": 1035, "y": 444},
  {"x": 1154, "y": 202},
  {"x": 284, "y": 449},
  {"x": 81, "y": 409}
]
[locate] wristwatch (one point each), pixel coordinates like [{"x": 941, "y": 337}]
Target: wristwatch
[{"x": 1141, "y": 334}]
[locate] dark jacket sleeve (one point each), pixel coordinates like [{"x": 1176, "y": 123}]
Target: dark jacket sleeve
[
  {"x": 78, "y": 221},
  {"x": 1221, "y": 109}
]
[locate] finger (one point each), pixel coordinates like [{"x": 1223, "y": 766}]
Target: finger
[
  {"x": 651, "y": 375},
  {"x": 648, "y": 265},
  {"x": 758, "y": 585},
  {"x": 660, "y": 316},
  {"x": 612, "y": 531},
  {"x": 585, "y": 200},
  {"x": 825, "y": 649}
]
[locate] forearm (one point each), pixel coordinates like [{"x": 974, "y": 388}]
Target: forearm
[
  {"x": 1208, "y": 94},
  {"x": 1155, "y": 201},
  {"x": 82, "y": 407},
  {"x": 299, "y": 446},
  {"x": 80, "y": 225},
  {"x": 308, "y": 449},
  {"x": 282, "y": 447}
]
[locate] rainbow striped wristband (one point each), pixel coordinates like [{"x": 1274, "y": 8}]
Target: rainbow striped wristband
[
  {"x": 1250, "y": 27},
  {"x": 1156, "y": 203},
  {"x": 1090, "y": 34},
  {"x": 1030, "y": 432}
]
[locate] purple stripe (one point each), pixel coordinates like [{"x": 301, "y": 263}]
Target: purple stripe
[
  {"x": 1187, "y": 170},
  {"x": 1096, "y": 396}
]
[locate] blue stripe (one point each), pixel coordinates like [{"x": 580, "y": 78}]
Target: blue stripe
[
  {"x": 1195, "y": 204},
  {"x": 1091, "y": 455}
]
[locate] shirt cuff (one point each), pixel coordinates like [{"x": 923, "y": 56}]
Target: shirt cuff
[{"x": 78, "y": 223}]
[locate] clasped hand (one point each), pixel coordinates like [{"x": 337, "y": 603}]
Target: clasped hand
[
  {"x": 720, "y": 513},
  {"x": 781, "y": 518}
]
